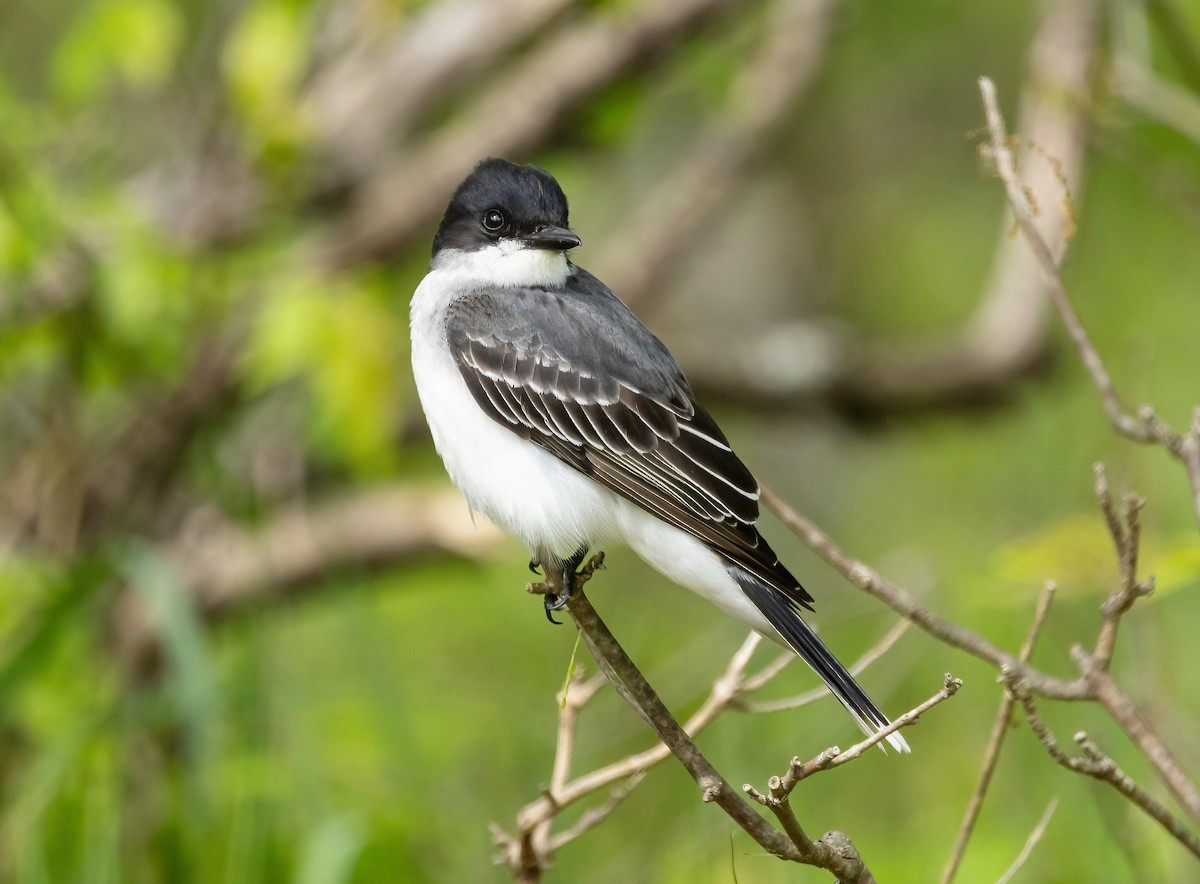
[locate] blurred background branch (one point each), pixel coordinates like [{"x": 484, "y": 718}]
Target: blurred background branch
[{"x": 246, "y": 631}]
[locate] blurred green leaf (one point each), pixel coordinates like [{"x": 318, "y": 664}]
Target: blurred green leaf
[
  {"x": 100, "y": 851},
  {"x": 61, "y": 594},
  {"x": 31, "y": 826},
  {"x": 610, "y": 116},
  {"x": 146, "y": 300},
  {"x": 13, "y": 245},
  {"x": 1177, "y": 566},
  {"x": 330, "y": 852},
  {"x": 194, "y": 682},
  {"x": 263, "y": 60},
  {"x": 134, "y": 42},
  {"x": 342, "y": 336},
  {"x": 1077, "y": 553}
]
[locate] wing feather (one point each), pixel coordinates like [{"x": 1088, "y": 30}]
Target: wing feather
[{"x": 643, "y": 437}]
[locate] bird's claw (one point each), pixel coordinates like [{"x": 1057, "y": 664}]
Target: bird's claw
[
  {"x": 533, "y": 568},
  {"x": 556, "y": 594},
  {"x": 554, "y": 603}
]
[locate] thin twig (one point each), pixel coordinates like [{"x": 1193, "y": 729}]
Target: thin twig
[
  {"x": 729, "y": 691},
  {"x": 827, "y": 850},
  {"x": 1126, "y": 537},
  {"x": 593, "y": 816},
  {"x": 902, "y": 602},
  {"x": 1138, "y": 729},
  {"x": 834, "y": 757},
  {"x": 1146, "y": 426},
  {"x": 751, "y": 683},
  {"x": 1125, "y": 530},
  {"x": 229, "y": 571},
  {"x": 578, "y": 693},
  {"x": 667, "y": 222},
  {"x": 726, "y": 693},
  {"x": 1008, "y": 331},
  {"x": 1094, "y": 763},
  {"x": 844, "y": 862},
  {"x": 1002, "y": 156},
  {"x": 368, "y": 98},
  {"x": 1091, "y": 683},
  {"x": 632, "y": 685},
  {"x": 776, "y": 800},
  {"x": 1000, "y": 729},
  {"x": 1031, "y": 842},
  {"x": 1159, "y": 99},
  {"x": 509, "y": 118}
]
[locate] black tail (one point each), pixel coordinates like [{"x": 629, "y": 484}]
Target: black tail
[{"x": 782, "y": 614}]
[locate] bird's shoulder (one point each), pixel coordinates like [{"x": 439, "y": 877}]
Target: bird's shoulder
[{"x": 579, "y": 329}]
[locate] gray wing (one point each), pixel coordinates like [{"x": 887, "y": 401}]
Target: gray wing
[{"x": 574, "y": 372}]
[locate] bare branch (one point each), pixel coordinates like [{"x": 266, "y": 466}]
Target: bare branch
[
  {"x": 847, "y": 865},
  {"x": 229, "y": 570},
  {"x": 1157, "y": 98},
  {"x": 670, "y": 218},
  {"x": 834, "y": 852},
  {"x": 1126, "y": 539},
  {"x": 995, "y": 741},
  {"x": 372, "y": 94},
  {"x": 127, "y": 475},
  {"x": 593, "y": 816},
  {"x": 1146, "y": 426},
  {"x": 510, "y": 119},
  {"x": 1096, "y": 764},
  {"x": 1138, "y": 729},
  {"x": 577, "y": 695},
  {"x": 726, "y": 693},
  {"x": 1007, "y": 332},
  {"x": 729, "y": 691},
  {"x": 633, "y": 686},
  {"x": 900, "y": 601},
  {"x": 776, "y": 800},
  {"x": 534, "y": 846},
  {"x": 950, "y": 686},
  {"x": 1034, "y": 837},
  {"x": 1094, "y": 681}
]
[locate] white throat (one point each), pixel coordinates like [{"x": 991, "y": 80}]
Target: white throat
[{"x": 507, "y": 262}]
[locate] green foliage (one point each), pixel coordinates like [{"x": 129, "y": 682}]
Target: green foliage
[
  {"x": 1076, "y": 552},
  {"x": 263, "y": 61},
  {"x": 372, "y": 731},
  {"x": 347, "y": 340},
  {"x": 331, "y": 852},
  {"x": 132, "y": 43}
]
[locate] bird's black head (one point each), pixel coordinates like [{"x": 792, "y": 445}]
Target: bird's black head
[{"x": 500, "y": 201}]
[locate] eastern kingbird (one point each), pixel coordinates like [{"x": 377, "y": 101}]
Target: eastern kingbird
[{"x": 564, "y": 420}]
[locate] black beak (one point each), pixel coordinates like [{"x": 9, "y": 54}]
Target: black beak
[{"x": 557, "y": 239}]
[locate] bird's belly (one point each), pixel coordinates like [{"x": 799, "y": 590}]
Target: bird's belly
[
  {"x": 683, "y": 559},
  {"x": 552, "y": 508}
]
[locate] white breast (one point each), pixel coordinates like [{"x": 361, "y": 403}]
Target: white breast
[{"x": 525, "y": 490}]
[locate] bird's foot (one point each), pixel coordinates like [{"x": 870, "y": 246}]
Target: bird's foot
[{"x": 561, "y": 582}]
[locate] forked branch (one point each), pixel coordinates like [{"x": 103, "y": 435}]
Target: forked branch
[{"x": 834, "y": 852}]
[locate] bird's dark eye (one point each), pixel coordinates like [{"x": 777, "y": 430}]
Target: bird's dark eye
[{"x": 493, "y": 220}]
